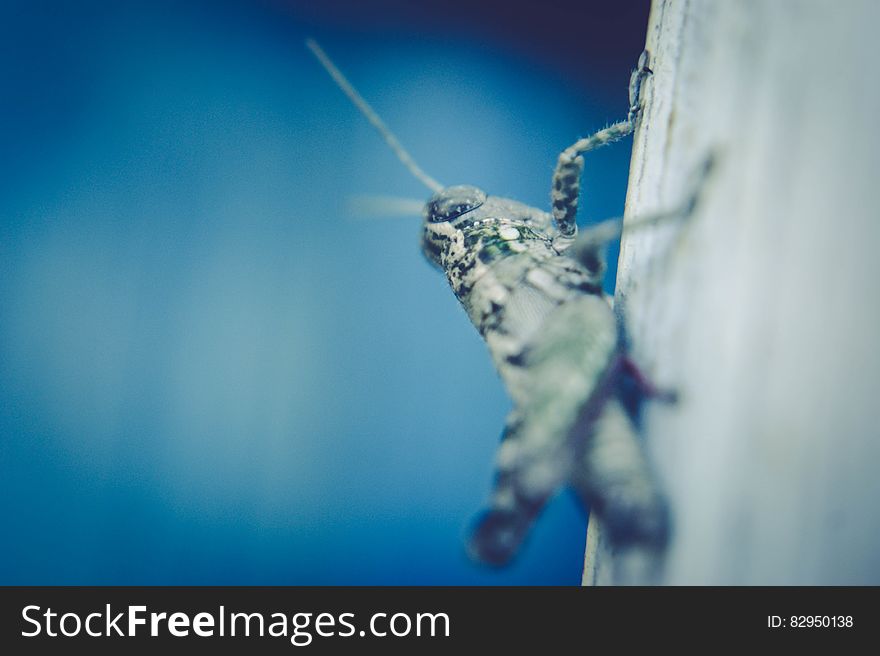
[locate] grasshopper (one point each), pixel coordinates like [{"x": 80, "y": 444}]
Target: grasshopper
[{"x": 533, "y": 289}]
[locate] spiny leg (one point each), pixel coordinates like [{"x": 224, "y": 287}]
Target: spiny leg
[{"x": 566, "y": 178}]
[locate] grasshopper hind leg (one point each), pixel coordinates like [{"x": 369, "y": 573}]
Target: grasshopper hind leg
[
  {"x": 523, "y": 485},
  {"x": 605, "y": 464},
  {"x": 613, "y": 477}
]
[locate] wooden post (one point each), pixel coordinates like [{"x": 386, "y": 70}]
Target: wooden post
[{"x": 763, "y": 308}]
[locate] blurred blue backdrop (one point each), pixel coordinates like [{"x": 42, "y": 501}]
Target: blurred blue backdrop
[{"x": 209, "y": 372}]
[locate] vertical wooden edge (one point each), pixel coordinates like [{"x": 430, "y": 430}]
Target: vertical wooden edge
[
  {"x": 590, "y": 552},
  {"x": 663, "y": 30}
]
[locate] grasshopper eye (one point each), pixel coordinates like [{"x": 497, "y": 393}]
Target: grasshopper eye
[{"x": 452, "y": 202}]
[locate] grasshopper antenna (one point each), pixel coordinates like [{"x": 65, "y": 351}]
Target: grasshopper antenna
[
  {"x": 365, "y": 109},
  {"x": 371, "y": 206}
]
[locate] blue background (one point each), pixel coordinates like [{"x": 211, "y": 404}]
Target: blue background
[{"x": 210, "y": 373}]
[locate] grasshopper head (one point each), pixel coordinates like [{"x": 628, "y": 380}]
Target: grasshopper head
[
  {"x": 451, "y": 202},
  {"x": 444, "y": 207}
]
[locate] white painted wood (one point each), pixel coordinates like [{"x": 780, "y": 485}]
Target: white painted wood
[{"x": 762, "y": 310}]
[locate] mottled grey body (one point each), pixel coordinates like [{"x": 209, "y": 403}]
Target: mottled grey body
[{"x": 553, "y": 338}]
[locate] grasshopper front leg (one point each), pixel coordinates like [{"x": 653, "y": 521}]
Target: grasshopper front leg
[{"x": 565, "y": 189}]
